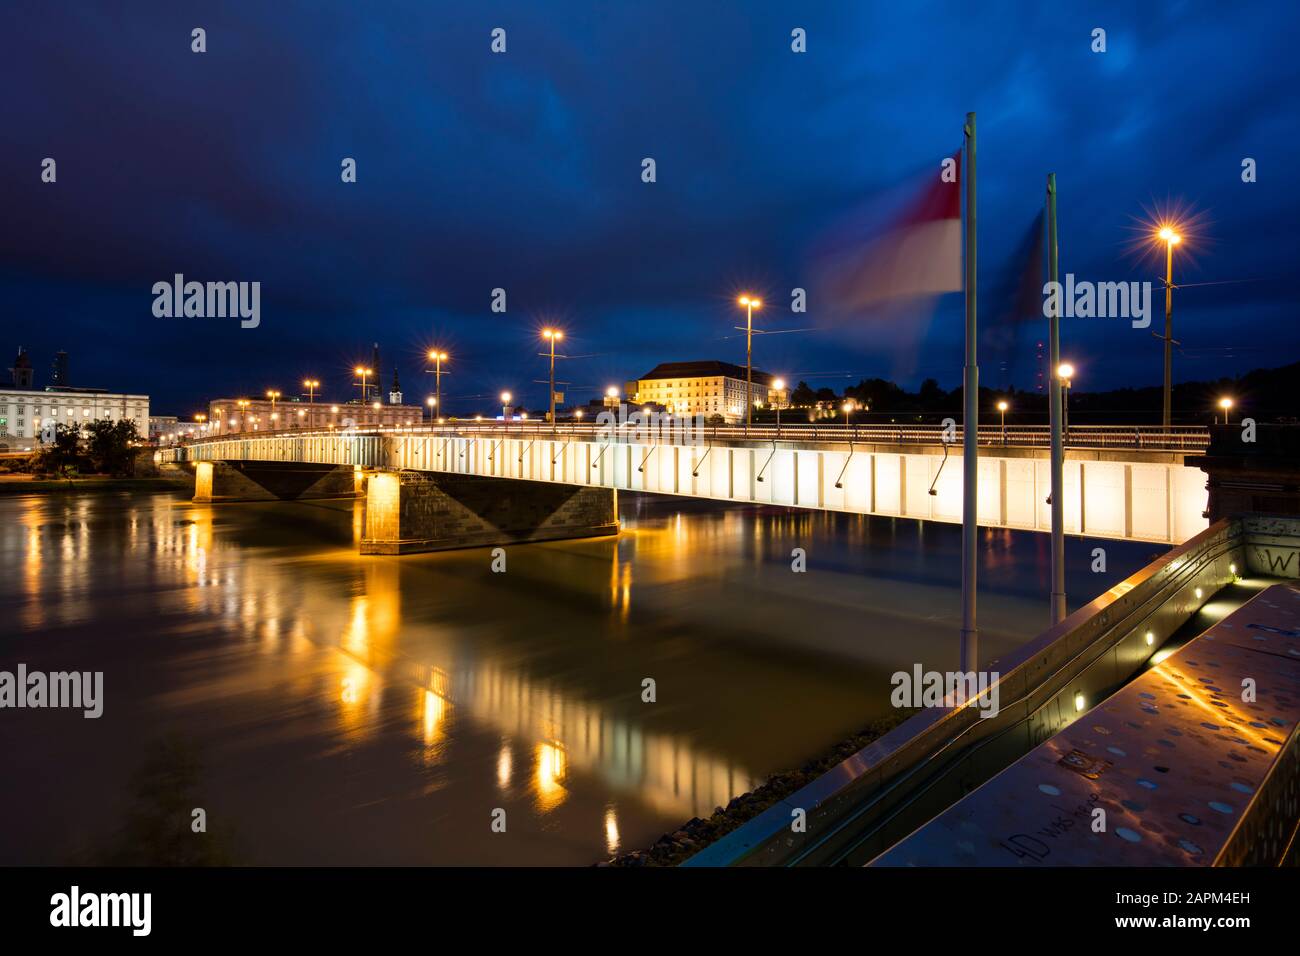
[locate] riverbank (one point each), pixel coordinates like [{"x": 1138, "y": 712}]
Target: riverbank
[
  {"x": 27, "y": 485},
  {"x": 676, "y": 847}
]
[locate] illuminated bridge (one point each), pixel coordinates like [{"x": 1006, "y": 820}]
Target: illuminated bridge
[{"x": 1121, "y": 482}]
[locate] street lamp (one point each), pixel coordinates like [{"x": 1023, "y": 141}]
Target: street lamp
[
  {"x": 552, "y": 336},
  {"x": 750, "y": 303},
  {"x": 432, "y": 403},
  {"x": 1002, "y": 407},
  {"x": 362, "y": 373},
  {"x": 848, "y": 407},
  {"x": 311, "y": 385},
  {"x": 778, "y": 385},
  {"x": 505, "y": 408},
  {"x": 437, "y": 356},
  {"x": 243, "y": 414},
  {"x": 1170, "y": 238},
  {"x": 1065, "y": 372},
  {"x": 1226, "y": 404}
]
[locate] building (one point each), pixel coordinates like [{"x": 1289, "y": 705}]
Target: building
[
  {"x": 703, "y": 388},
  {"x": 25, "y": 409},
  {"x": 234, "y": 415},
  {"x": 163, "y": 428}
]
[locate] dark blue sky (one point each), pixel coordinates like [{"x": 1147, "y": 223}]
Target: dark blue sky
[{"x": 522, "y": 171}]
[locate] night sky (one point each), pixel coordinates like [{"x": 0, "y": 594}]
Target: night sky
[{"x": 523, "y": 171}]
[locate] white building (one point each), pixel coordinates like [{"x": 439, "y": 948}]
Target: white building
[
  {"x": 23, "y": 412},
  {"x": 704, "y": 388}
]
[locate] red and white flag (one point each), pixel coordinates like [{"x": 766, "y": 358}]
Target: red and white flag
[{"x": 915, "y": 253}]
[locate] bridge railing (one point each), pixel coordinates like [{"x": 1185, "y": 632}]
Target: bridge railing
[{"x": 684, "y": 431}]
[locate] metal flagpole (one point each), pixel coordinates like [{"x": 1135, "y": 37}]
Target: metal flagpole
[
  {"x": 1054, "y": 405},
  {"x": 970, "y": 426}
]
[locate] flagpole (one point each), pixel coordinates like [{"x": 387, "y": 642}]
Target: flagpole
[
  {"x": 1054, "y": 405},
  {"x": 970, "y": 426}
]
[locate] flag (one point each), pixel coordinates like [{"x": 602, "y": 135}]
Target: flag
[
  {"x": 915, "y": 253},
  {"x": 1017, "y": 303}
]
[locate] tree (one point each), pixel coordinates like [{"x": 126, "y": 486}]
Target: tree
[
  {"x": 60, "y": 452},
  {"x": 803, "y": 396},
  {"x": 111, "y": 445},
  {"x": 827, "y": 395}
]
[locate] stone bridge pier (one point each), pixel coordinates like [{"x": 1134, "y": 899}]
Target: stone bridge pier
[
  {"x": 217, "y": 481},
  {"x": 411, "y": 511}
]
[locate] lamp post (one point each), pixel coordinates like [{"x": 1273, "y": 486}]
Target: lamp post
[
  {"x": 1170, "y": 239},
  {"x": 779, "y": 386},
  {"x": 505, "y": 409},
  {"x": 1065, "y": 372},
  {"x": 1002, "y": 407},
  {"x": 848, "y": 407},
  {"x": 552, "y": 336},
  {"x": 243, "y": 414},
  {"x": 750, "y": 303},
  {"x": 311, "y": 385},
  {"x": 433, "y": 404},
  {"x": 1226, "y": 404},
  {"x": 362, "y": 373},
  {"x": 437, "y": 357}
]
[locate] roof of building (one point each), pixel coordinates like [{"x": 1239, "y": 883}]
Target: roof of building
[{"x": 704, "y": 369}]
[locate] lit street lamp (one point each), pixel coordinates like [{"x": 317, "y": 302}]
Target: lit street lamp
[
  {"x": 243, "y": 414},
  {"x": 552, "y": 336},
  {"x": 505, "y": 408},
  {"x": 750, "y": 303},
  {"x": 362, "y": 373},
  {"x": 1170, "y": 239},
  {"x": 1002, "y": 407},
  {"x": 779, "y": 386},
  {"x": 437, "y": 356},
  {"x": 1226, "y": 404},
  {"x": 1065, "y": 372},
  {"x": 311, "y": 385},
  {"x": 848, "y": 407},
  {"x": 432, "y": 403}
]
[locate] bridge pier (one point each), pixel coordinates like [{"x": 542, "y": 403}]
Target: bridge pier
[
  {"x": 219, "y": 481},
  {"x": 408, "y": 512}
]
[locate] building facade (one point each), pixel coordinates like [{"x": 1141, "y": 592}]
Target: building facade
[
  {"x": 25, "y": 411},
  {"x": 163, "y": 427},
  {"x": 233, "y": 415},
  {"x": 704, "y": 388}
]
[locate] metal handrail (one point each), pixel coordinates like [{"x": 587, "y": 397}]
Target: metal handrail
[{"x": 679, "y": 431}]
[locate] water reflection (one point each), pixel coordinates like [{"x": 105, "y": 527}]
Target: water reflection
[{"x": 382, "y": 706}]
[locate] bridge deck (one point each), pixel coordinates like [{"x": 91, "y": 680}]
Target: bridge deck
[
  {"x": 1136, "y": 491},
  {"x": 1187, "y": 773}
]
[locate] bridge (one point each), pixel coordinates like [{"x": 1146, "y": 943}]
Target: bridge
[{"x": 1121, "y": 482}]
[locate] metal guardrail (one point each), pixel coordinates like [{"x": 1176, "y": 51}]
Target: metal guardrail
[
  {"x": 683, "y": 431},
  {"x": 919, "y": 768}
]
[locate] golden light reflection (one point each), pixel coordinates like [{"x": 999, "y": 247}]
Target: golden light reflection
[
  {"x": 505, "y": 761},
  {"x": 550, "y": 771},
  {"x": 435, "y": 714},
  {"x": 612, "y": 841}
]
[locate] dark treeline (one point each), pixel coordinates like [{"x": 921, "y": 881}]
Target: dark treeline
[{"x": 1268, "y": 395}]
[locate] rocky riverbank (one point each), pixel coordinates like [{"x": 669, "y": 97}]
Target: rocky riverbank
[{"x": 693, "y": 836}]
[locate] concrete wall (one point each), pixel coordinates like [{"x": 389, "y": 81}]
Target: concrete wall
[
  {"x": 412, "y": 511},
  {"x": 270, "y": 481}
]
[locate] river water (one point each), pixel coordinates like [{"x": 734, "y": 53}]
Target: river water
[{"x": 383, "y": 710}]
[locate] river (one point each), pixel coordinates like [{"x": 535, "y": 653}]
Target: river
[{"x": 340, "y": 709}]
